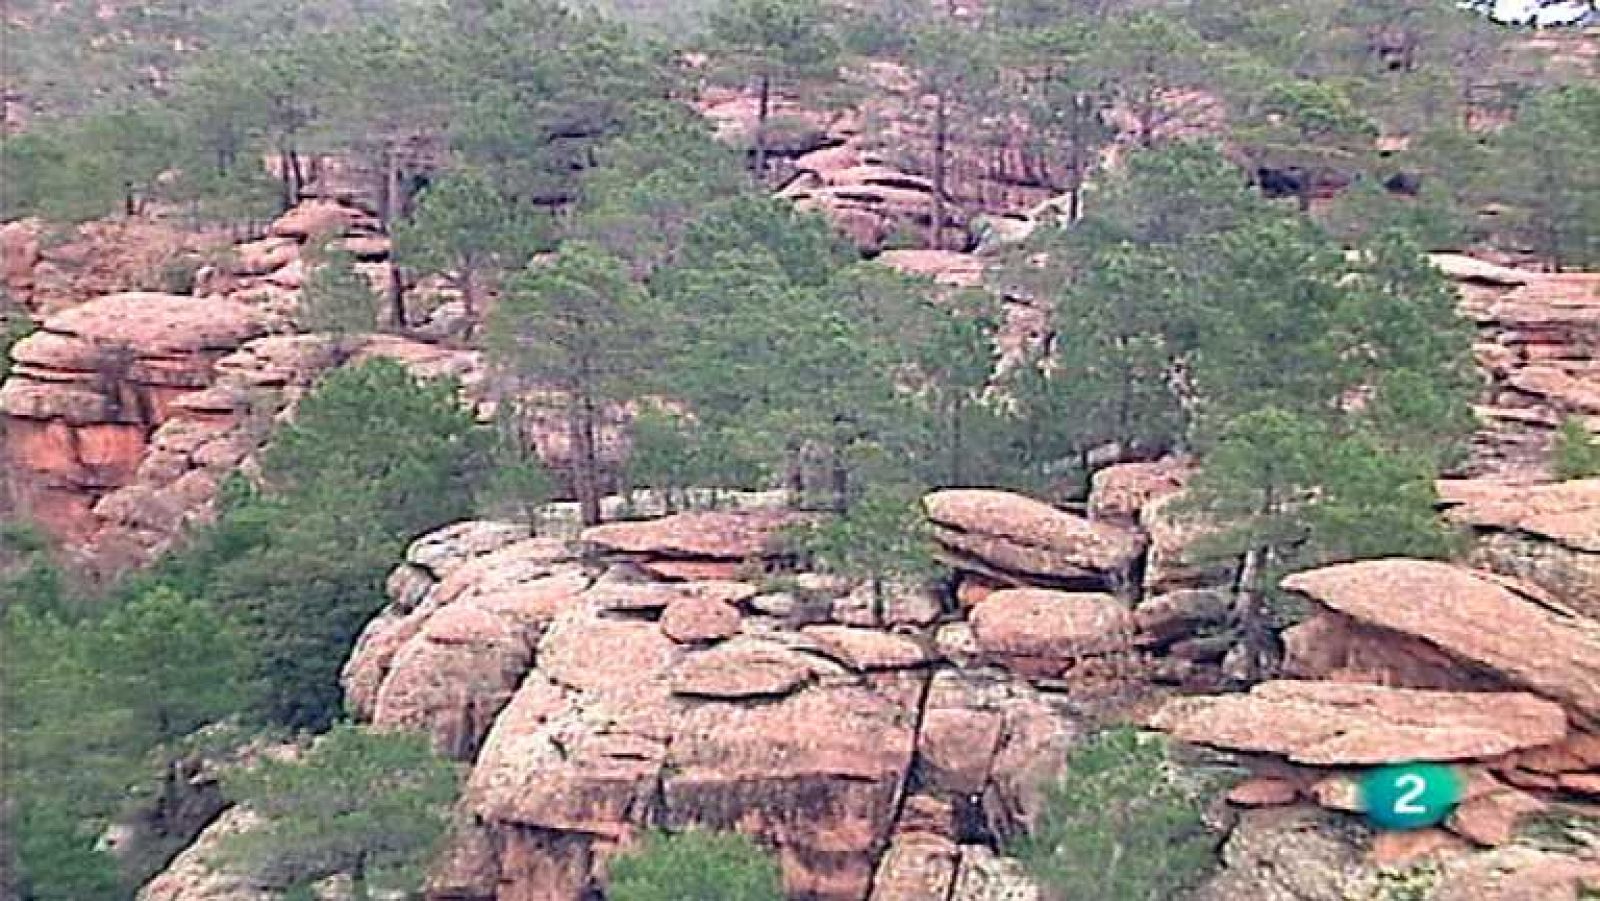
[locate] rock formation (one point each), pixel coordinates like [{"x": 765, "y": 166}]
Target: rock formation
[
  {"x": 91, "y": 388},
  {"x": 1547, "y": 535},
  {"x": 1537, "y": 337},
  {"x": 1409, "y": 660},
  {"x": 1019, "y": 541},
  {"x": 595, "y": 699}
]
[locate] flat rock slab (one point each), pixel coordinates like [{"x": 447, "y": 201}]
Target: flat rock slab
[
  {"x": 660, "y": 595},
  {"x": 1019, "y": 534},
  {"x": 154, "y": 324},
  {"x": 727, "y": 535},
  {"x": 1471, "y": 617},
  {"x": 1565, "y": 512},
  {"x": 742, "y": 669},
  {"x": 1333, "y": 724}
]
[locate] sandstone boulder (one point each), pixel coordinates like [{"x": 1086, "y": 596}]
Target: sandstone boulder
[
  {"x": 1473, "y": 619},
  {"x": 1330, "y": 724},
  {"x": 818, "y": 773},
  {"x": 730, "y": 535},
  {"x": 1038, "y": 632},
  {"x": 1014, "y": 535},
  {"x": 916, "y": 867},
  {"x": 319, "y": 218},
  {"x": 1120, "y": 492},
  {"x": 742, "y": 669},
  {"x": 1545, "y": 534},
  {"x": 698, "y": 620},
  {"x": 200, "y": 873}
]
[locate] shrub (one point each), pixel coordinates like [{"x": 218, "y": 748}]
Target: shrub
[
  {"x": 373, "y": 458},
  {"x": 1121, "y": 823},
  {"x": 1576, "y": 453},
  {"x": 369, "y": 804},
  {"x": 705, "y": 866}
]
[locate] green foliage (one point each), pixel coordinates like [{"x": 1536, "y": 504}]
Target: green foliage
[
  {"x": 579, "y": 325},
  {"x": 369, "y": 804},
  {"x": 1299, "y": 493},
  {"x": 463, "y": 226},
  {"x": 15, "y": 324},
  {"x": 95, "y": 706},
  {"x": 1309, "y": 128},
  {"x": 517, "y": 483},
  {"x": 84, "y": 169},
  {"x": 706, "y": 866},
  {"x": 337, "y": 300},
  {"x": 1577, "y": 451},
  {"x": 883, "y": 537},
  {"x": 1547, "y": 167},
  {"x": 1120, "y": 823},
  {"x": 1433, "y": 219},
  {"x": 267, "y": 561}
]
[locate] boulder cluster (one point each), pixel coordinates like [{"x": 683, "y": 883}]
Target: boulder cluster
[
  {"x": 654, "y": 673},
  {"x": 1409, "y": 660}
]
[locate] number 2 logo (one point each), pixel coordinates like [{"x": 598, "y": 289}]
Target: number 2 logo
[{"x": 1412, "y": 787}]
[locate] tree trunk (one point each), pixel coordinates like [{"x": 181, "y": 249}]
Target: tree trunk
[
  {"x": 359, "y": 890},
  {"x": 397, "y": 298},
  {"x": 298, "y": 172},
  {"x": 795, "y": 477},
  {"x": 585, "y": 479},
  {"x": 956, "y": 451},
  {"x": 940, "y": 137},
  {"x": 763, "y": 110},
  {"x": 1249, "y": 615},
  {"x": 839, "y": 480},
  {"x": 285, "y": 179}
]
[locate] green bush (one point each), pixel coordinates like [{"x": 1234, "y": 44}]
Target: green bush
[
  {"x": 1121, "y": 823},
  {"x": 373, "y": 458},
  {"x": 1576, "y": 453},
  {"x": 704, "y": 866},
  {"x": 14, "y": 326},
  {"x": 373, "y": 805}
]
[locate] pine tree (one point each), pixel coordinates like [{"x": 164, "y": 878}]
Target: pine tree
[
  {"x": 464, "y": 228},
  {"x": 579, "y": 325},
  {"x": 371, "y": 805},
  {"x": 778, "y": 42},
  {"x": 1121, "y": 823}
]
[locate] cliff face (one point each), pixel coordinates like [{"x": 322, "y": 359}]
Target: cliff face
[{"x": 94, "y": 384}]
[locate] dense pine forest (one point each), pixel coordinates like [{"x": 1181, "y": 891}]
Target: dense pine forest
[{"x": 622, "y": 375}]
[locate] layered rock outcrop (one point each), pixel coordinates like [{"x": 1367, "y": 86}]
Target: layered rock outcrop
[
  {"x": 48, "y": 272},
  {"x": 1019, "y": 541},
  {"x": 1411, "y": 660},
  {"x": 92, "y": 386},
  {"x": 595, "y": 699},
  {"x": 1538, "y": 333},
  {"x": 1547, "y": 535}
]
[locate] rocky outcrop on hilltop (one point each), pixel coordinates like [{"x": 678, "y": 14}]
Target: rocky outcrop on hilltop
[{"x": 881, "y": 756}]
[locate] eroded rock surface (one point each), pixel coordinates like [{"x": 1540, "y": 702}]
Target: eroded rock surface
[
  {"x": 1022, "y": 541},
  {"x": 594, "y": 702}
]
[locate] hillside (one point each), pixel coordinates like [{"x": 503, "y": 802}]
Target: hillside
[{"x": 840, "y": 451}]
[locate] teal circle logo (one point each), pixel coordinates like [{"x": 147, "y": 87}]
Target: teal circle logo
[{"x": 1410, "y": 796}]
